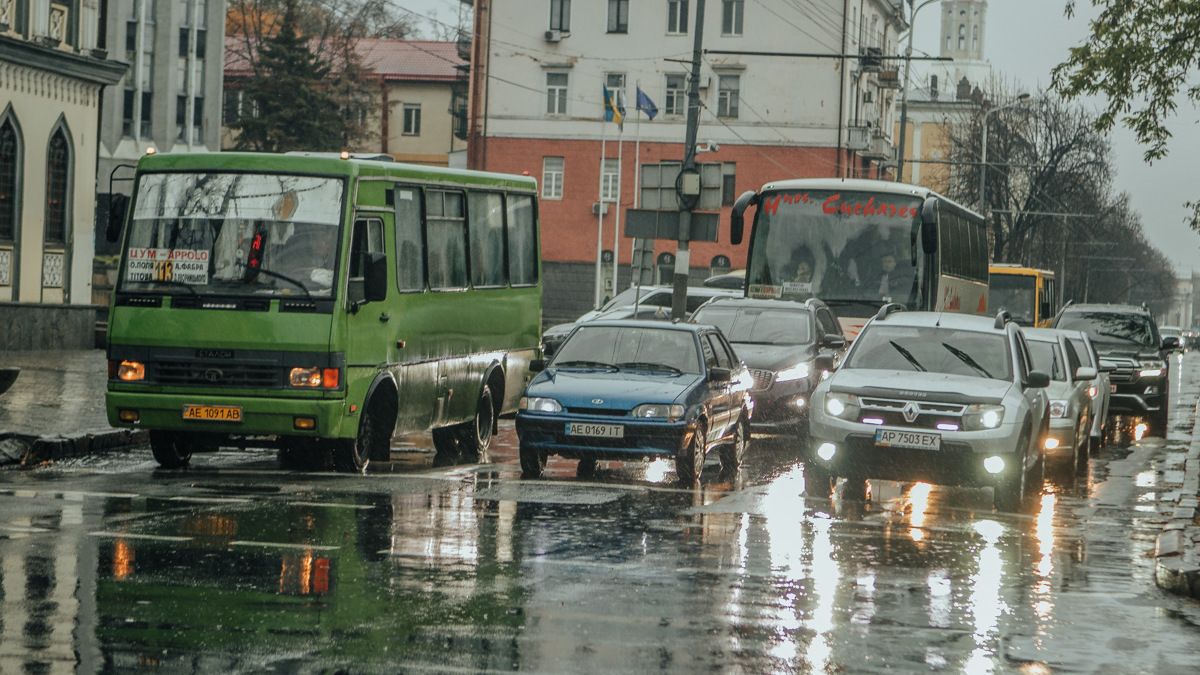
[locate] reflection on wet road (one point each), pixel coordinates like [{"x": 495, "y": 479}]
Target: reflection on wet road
[{"x": 237, "y": 565}]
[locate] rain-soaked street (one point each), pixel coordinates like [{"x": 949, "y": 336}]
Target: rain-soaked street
[{"x": 237, "y": 565}]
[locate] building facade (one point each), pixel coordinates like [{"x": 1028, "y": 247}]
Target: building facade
[
  {"x": 536, "y": 107},
  {"x": 53, "y": 71}
]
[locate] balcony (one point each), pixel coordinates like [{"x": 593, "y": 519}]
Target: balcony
[
  {"x": 889, "y": 79},
  {"x": 870, "y": 59},
  {"x": 858, "y": 138},
  {"x": 879, "y": 147}
]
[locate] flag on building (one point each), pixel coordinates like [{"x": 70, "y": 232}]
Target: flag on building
[
  {"x": 614, "y": 108},
  {"x": 645, "y": 104}
]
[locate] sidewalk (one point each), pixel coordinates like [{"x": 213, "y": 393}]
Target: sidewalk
[
  {"x": 1177, "y": 547},
  {"x": 56, "y": 408}
]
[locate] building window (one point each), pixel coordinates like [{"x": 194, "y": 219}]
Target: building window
[
  {"x": 676, "y": 97},
  {"x": 728, "y": 183},
  {"x": 183, "y": 132},
  {"x": 618, "y": 16},
  {"x": 552, "y": 178},
  {"x": 727, "y": 95},
  {"x": 609, "y": 178},
  {"x": 412, "y": 119},
  {"x": 732, "y": 12},
  {"x": 58, "y": 180},
  {"x": 975, "y": 38},
  {"x": 616, "y": 84},
  {"x": 560, "y": 15},
  {"x": 556, "y": 93},
  {"x": 962, "y": 36},
  {"x": 677, "y": 16},
  {"x": 10, "y": 167}
]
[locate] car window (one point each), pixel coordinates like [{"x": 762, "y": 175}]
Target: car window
[
  {"x": 756, "y": 325},
  {"x": 1112, "y": 327},
  {"x": 721, "y": 342},
  {"x": 694, "y": 302},
  {"x": 1047, "y": 357},
  {"x": 1022, "y": 357},
  {"x": 829, "y": 325},
  {"x": 934, "y": 350},
  {"x": 1073, "y": 360},
  {"x": 710, "y": 356},
  {"x": 657, "y": 299},
  {"x": 1082, "y": 351},
  {"x": 723, "y": 359},
  {"x": 620, "y": 344}
]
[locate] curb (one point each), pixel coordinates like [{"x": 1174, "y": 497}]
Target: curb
[
  {"x": 1176, "y": 563},
  {"x": 25, "y": 450}
]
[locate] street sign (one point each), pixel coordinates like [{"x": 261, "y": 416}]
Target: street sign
[{"x": 648, "y": 224}]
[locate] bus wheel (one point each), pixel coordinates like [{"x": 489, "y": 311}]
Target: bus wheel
[
  {"x": 374, "y": 439},
  {"x": 171, "y": 450},
  {"x": 475, "y": 437},
  {"x": 445, "y": 446}
]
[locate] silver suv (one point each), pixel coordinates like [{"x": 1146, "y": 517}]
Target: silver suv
[{"x": 926, "y": 396}]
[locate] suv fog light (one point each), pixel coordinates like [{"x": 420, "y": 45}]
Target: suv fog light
[
  {"x": 994, "y": 464},
  {"x": 799, "y": 402},
  {"x": 1051, "y": 443},
  {"x": 826, "y": 451}
]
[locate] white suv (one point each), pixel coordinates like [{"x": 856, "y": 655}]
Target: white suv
[{"x": 926, "y": 396}]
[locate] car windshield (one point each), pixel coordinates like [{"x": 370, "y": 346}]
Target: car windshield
[
  {"x": 1111, "y": 327},
  {"x": 757, "y": 325},
  {"x": 618, "y": 346},
  {"x": 627, "y": 297},
  {"x": 1085, "y": 355},
  {"x": 1015, "y": 293},
  {"x": 235, "y": 234},
  {"x": 932, "y": 350},
  {"x": 1047, "y": 358}
]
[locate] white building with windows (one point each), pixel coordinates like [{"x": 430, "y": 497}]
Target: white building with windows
[
  {"x": 53, "y": 71},
  {"x": 786, "y": 90}
]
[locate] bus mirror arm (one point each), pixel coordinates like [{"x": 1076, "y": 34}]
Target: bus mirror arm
[
  {"x": 737, "y": 218},
  {"x": 929, "y": 226}
]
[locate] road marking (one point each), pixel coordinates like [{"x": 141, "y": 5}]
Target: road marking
[
  {"x": 269, "y": 544},
  {"x": 24, "y": 529},
  {"x": 128, "y": 535},
  {"x": 210, "y": 500},
  {"x": 364, "y": 507}
]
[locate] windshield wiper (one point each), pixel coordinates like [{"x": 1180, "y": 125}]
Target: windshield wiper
[
  {"x": 968, "y": 359},
  {"x": 586, "y": 364},
  {"x": 908, "y": 356},
  {"x": 277, "y": 275},
  {"x": 646, "y": 365}
]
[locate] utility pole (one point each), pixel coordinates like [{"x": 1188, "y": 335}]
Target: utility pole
[
  {"x": 908, "y": 59},
  {"x": 688, "y": 186}
]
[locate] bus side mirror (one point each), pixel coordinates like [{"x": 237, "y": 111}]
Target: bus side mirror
[
  {"x": 929, "y": 226},
  {"x": 118, "y": 205},
  {"x": 376, "y": 282},
  {"x": 737, "y": 218}
]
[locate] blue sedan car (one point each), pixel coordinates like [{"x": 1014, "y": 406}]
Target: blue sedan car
[{"x": 629, "y": 390}]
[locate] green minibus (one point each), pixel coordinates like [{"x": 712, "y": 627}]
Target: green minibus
[{"x": 321, "y": 304}]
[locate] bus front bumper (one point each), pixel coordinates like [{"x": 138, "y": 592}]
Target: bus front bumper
[{"x": 260, "y": 416}]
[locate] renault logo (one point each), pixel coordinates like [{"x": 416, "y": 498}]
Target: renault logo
[
  {"x": 597, "y": 401},
  {"x": 213, "y": 375},
  {"x": 911, "y": 411}
]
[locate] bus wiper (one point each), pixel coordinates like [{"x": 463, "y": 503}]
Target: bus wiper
[
  {"x": 277, "y": 275},
  {"x": 967, "y": 359},
  {"x": 586, "y": 364},
  {"x": 908, "y": 356},
  {"x": 647, "y": 365}
]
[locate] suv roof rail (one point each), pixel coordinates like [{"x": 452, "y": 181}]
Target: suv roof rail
[
  {"x": 887, "y": 310},
  {"x": 1002, "y": 318}
]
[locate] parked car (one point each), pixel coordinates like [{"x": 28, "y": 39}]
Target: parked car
[
  {"x": 1070, "y": 434},
  {"x": 779, "y": 340},
  {"x": 735, "y": 280},
  {"x": 1172, "y": 332},
  {"x": 926, "y": 396},
  {"x": 1127, "y": 339},
  {"x": 627, "y": 390},
  {"x": 654, "y": 302},
  {"x": 1099, "y": 388}
]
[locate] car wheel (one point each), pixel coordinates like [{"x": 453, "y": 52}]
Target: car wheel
[
  {"x": 1083, "y": 452},
  {"x": 818, "y": 482},
  {"x": 373, "y": 440},
  {"x": 586, "y": 468},
  {"x": 733, "y": 452},
  {"x": 475, "y": 437},
  {"x": 533, "y": 462},
  {"x": 171, "y": 449},
  {"x": 1008, "y": 494},
  {"x": 689, "y": 462}
]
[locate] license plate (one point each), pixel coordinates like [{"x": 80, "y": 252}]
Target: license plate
[
  {"x": 212, "y": 413},
  {"x": 595, "y": 430},
  {"x": 895, "y": 438},
  {"x": 1112, "y": 388}
]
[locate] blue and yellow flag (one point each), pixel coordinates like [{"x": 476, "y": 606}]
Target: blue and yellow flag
[{"x": 614, "y": 108}]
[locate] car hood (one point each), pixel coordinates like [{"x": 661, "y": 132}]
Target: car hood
[
  {"x": 1124, "y": 350},
  {"x": 621, "y": 390},
  {"x": 772, "y": 357},
  {"x": 909, "y": 385}
]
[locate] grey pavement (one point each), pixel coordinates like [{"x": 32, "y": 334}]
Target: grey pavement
[{"x": 1177, "y": 548}]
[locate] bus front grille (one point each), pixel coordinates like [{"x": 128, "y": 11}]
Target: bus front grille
[{"x": 217, "y": 374}]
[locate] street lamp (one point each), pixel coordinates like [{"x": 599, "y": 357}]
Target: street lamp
[
  {"x": 912, "y": 16},
  {"x": 1021, "y": 98}
]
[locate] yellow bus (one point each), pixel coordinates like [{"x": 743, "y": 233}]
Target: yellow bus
[{"x": 1030, "y": 295}]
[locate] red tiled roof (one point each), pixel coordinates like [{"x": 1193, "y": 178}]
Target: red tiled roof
[{"x": 400, "y": 60}]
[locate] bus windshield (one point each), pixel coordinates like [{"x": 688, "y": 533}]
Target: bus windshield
[
  {"x": 847, "y": 248},
  {"x": 234, "y": 234},
  {"x": 1016, "y": 293}
]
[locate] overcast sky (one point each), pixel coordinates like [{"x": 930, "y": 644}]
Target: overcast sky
[{"x": 1025, "y": 39}]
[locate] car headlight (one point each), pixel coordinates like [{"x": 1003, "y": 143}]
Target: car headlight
[
  {"x": 1058, "y": 408},
  {"x": 844, "y": 406},
  {"x": 796, "y": 372},
  {"x": 537, "y": 404},
  {"x": 669, "y": 412},
  {"x": 1150, "y": 372},
  {"x": 981, "y": 417}
]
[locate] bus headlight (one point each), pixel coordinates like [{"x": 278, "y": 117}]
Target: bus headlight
[
  {"x": 843, "y": 406},
  {"x": 131, "y": 371},
  {"x": 980, "y": 417},
  {"x": 659, "y": 411},
  {"x": 313, "y": 378},
  {"x": 542, "y": 405}
]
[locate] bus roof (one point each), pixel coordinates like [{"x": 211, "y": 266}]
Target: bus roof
[
  {"x": 326, "y": 164},
  {"x": 883, "y": 186},
  {"x": 1018, "y": 270}
]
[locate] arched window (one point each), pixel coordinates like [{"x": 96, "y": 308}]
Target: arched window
[
  {"x": 58, "y": 186},
  {"x": 962, "y": 36},
  {"x": 10, "y": 167}
]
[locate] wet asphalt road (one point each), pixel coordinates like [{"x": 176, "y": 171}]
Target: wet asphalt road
[{"x": 236, "y": 565}]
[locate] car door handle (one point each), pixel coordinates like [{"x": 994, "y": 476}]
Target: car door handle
[{"x": 385, "y": 317}]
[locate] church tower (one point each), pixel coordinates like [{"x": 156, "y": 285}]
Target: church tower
[{"x": 964, "y": 25}]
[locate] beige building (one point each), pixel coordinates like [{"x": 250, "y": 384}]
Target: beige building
[
  {"x": 53, "y": 69},
  {"x": 419, "y": 114}
]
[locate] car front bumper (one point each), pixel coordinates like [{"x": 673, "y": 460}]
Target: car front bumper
[
  {"x": 781, "y": 407},
  {"x": 1062, "y": 431},
  {"x": 548, "y": 433}
]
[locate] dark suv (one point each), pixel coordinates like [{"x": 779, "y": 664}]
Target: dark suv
[{"x": 1130, "y": 346}]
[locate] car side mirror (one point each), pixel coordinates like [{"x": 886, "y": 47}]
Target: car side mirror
[
  {"x": 118, "y": 205},
  {"x": 1170, "y": 343},
  {"x": 823, "y": 362},
  {"x": 719, "y": 374},
  {"x": 833, "y": 341},
  {"x": 1086, "y": 373},
  {"x": 537, "y": 365},
  {"x": 1037, "y": 380}
]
